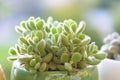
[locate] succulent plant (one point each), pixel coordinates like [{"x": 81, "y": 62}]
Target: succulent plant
[
  {"x": 54, "y": 46},
  {"x": 112, "y": 45}
]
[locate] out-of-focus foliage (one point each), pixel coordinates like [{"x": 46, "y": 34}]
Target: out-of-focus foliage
[
  {"x": 116, "y": 12},
  {"x": 94, "y": 34},
  {"x": 74, "y": 9}
]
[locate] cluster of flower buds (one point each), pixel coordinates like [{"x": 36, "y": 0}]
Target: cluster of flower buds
[
  {"x": 112, "y": 45},
  {"x": 54, "y": 46}
]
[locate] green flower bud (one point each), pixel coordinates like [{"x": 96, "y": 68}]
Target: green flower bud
[
  {"x": 76, "y": 57},
  {"x": 64, "y": 57}
]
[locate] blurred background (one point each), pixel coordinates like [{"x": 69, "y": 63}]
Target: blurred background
[{"x": 101, "y": 16}]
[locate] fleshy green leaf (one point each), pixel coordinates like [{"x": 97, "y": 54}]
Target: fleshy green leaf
[
  {"x": 65, "y": 40},
  {"x": 33, "y": 62},
  {"x": 23, "y": 40},
  {"x": 12, "y": 51},
  {"x": 64, "y": 57},
  {"x": 19, "y": 30},
  {"x": 41, "y": 45},
  {"x": 81, "y": 27},
  {"x": 68, "y": 66},
  {"x": 39, "y": 25},
  {"x": 100, "y": 55},
  {"x": 76, "y": 57}
]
